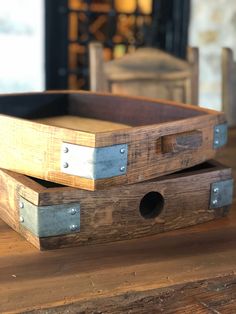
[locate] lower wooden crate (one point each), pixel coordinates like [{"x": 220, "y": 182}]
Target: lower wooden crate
[{"x": 51, "y": 216}]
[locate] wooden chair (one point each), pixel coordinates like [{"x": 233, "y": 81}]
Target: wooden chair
[
  {"x": 146, "y": 72},
  {"x": 229, "y": 85}
]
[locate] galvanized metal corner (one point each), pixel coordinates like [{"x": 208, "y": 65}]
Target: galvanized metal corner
[
  {"x": 221, "y": 193},
  {"x": 220, "y": 135},
  {"x": 47, "y": 221},
  {"x": 94, "y": 163}
]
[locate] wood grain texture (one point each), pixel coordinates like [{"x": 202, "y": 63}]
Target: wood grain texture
[
  {"x": 193, "y": 60},
  {"x": 33, "y": 281},
  {"x": 82, "y": 124},
  {"x": 146, "y": 72},
  {"x": 98, "y": 82},
  {"x": 217, "y": 295},
  {"x": 182, "y": 141},
  {"x": 120, "y": 213},
  {"x": 34, "y": 148},
  {"x": 134, "y": 111},
  {"x": 228, "y": 69},
  {"x": 10, "y": 191}
]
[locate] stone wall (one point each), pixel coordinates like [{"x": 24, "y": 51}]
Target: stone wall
[
  {"x": 213, "y": 25},
  {"x": 21, "y": 45}
]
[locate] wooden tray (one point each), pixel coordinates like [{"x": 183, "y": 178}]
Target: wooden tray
[
  {"x": 93, "y": 141},
  {"x": 51, "y": 216}
]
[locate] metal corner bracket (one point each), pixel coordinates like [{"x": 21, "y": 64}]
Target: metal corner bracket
[
  {"x": 48, "y": 221},
  {"x": 220, "y": 135},
  {"x": 221, "y": 193},
  {"x": 94, "y": 163}
]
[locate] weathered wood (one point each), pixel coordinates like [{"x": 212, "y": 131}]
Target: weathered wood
[
  {"x": 228, "y": 85},
  {"x": 98, "y": 82},
  {"x": 217, "y": 295},
  {"x": 193, "y": 60},
  {"x": 182, "y": 141},
  {"x": 31, "y": 280},
  {"x": 146, "y": 72},
  {"x": 134, "y": 111},
  {"x": 143, "y": 209},
  {"x": 34, "y": 148}
]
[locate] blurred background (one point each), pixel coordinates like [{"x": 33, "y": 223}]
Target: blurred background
[{"x": 44, "y": 44}]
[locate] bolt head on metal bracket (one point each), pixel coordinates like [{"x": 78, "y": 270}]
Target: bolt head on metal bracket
[
  {"x": 221, "y": 193},
  {"x": 94, "y": 163},
  {"x": 220, "y": 135},
  {"x": 47, "y": 221}
]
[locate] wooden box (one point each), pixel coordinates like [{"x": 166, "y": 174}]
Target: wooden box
[
  {"x": 94, "y": 141},
  {"x": 52, "y": 216}
]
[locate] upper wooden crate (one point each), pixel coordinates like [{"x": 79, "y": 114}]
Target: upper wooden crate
[{"x": 94, "y": 141}]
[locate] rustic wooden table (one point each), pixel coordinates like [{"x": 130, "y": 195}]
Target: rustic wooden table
[{"x": 192, "y": 270}]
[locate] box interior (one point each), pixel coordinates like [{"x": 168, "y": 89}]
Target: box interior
[{"x": 92, "y": 112}]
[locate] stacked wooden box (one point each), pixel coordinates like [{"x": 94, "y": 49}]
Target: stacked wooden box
[{"x": 80, "y": 168}]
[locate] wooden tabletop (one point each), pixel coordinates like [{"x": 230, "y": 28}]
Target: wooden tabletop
[{"x": 192, "y": 269}]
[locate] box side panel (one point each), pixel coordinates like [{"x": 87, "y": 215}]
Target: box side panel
[
  {"x": 152, "y": 154},
  {"x": 116, "y": 214},
  {"x": 34, "y": 105},
  {"x": 129, "y": 110},
  {"x": 34, "y": 149},
  {"x": 10, "y": 189}
]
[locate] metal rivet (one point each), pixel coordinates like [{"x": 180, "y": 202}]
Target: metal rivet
[
  {"x": 216, "y": 142},
  {"x": 122, "y": 150},
  {"x": 73, "y": 227},
  {"x": 65, "y": 149},
  {"x": 73, "y": 211},
  {"x": 21, "y": 204},
  {"x": 214, "y": 202},
  {"x": 65, "y": 165},
  {"x": 21, "y": 219},
  {"x": 122, "y": 169},
  {"x": 216, "y": 190},
  {"x": 217, "y": 130}
]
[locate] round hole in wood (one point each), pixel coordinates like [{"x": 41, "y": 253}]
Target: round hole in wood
[{"x": 151, "y": 205}]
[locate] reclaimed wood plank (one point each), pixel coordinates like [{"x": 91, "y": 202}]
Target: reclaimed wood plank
[{"x": 217, "y": 295}]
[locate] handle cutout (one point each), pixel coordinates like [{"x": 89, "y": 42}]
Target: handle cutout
[
  {"x": 176, "y": 143},
  {"x": 151, "y": 205}
]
